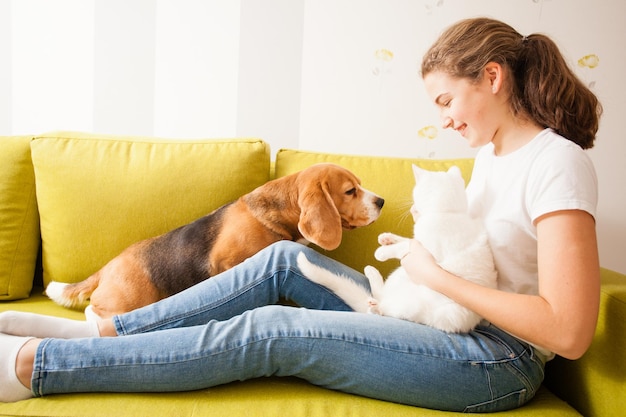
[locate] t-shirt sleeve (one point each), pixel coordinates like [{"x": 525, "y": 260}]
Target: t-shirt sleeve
[{"x": 563, "y": 180}]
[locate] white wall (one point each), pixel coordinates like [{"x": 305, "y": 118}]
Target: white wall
[
  {"x": 298, "y": 73},
  {"x": 270, "y": 67},
  {"x": 124, "y": 73},
  {"x": 197, "y": 62},
  {"x": 52, "y": 60},
  {"x": 6, "y": 73}
]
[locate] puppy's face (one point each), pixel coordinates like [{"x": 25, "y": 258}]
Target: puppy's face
[
  {"x": 356, "y": 206},
  {"x": 331, "y": 198}
]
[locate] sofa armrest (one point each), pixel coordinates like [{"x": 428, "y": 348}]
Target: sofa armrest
[{"x": 595, "y": 384}]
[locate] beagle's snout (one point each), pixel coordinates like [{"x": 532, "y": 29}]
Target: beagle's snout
[{"x": 375, "y": 204}]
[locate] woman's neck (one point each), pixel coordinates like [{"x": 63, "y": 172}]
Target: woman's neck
[{"x": 511, "y": 137}]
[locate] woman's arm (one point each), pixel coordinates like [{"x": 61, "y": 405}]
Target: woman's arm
[{"x": 562, "y": 318}]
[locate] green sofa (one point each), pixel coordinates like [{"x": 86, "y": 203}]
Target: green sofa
[{"x": 69, "y": 202}]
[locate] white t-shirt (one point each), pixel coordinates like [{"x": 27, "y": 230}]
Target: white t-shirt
[{"x": 510, "y": 192}]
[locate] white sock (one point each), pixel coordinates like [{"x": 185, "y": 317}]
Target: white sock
[
  {"x": 11, "y": 387},
  {"x": 20, "y": 323}
]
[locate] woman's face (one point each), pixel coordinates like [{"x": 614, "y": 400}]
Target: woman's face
[{"x": 471, "y": 109}]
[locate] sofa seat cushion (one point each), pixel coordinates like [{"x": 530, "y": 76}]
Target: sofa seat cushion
[
  {"x": 391, "y": 178},
  {"x": 261, "y": 397},
  {"x": 98, "y": 194},
  {"x": 19, "y": 220}
]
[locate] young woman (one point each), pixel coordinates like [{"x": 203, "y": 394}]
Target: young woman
[{"x": 533, "y": 185}]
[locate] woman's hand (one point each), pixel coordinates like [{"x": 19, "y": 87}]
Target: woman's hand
[{"x": 420, "y": 264}]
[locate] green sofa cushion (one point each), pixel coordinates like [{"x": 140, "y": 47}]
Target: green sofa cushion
[
  {"x": 19, "y": 220},
  {"x": 99, "y": 194},
  {"x": 287, "y": 397},
  {"x": 377, "y": 174}
]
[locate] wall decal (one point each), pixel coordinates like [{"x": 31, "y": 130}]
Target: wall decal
[
  {"x": 428, "y": 132},
  {"x": 382, "y": 58},
  {"x": 588, "y": 63},
  {"x": 430, "y": 5}
]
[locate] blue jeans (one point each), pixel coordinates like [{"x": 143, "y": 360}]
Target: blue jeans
[{"x": 227, "y": 329}]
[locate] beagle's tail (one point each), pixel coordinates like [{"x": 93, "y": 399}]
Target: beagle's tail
[
  {"x": 72, "y": 295},
  {"x": 356, "y": 296}
]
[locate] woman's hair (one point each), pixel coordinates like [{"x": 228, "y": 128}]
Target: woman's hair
[{"x": 544, "y": 87}]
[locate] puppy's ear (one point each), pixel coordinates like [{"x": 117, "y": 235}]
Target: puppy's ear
[{"x": 319, "y": 222}]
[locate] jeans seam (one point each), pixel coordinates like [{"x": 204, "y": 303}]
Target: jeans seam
[
  {"x": 36, "y": 378},
  {"x": 519, "y": 373},
  {"x": 521, "y": 393}
]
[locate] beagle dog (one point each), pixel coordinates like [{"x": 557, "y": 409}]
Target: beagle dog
[{"x": 312, "y": 205}]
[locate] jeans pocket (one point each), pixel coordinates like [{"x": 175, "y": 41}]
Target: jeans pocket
[{"x": 509, "y": 401}]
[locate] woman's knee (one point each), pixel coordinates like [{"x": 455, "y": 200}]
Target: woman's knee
[
  {"x": 286, "y": 252},
  {"x": 288, "y": 247}
]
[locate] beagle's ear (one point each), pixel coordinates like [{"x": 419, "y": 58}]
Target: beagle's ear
[{"x": 320, "y": 222}]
